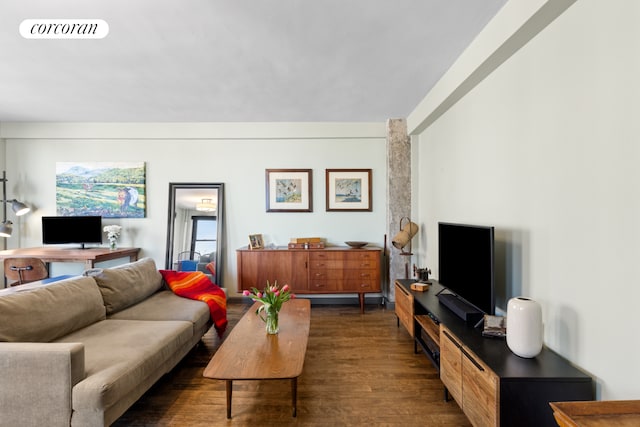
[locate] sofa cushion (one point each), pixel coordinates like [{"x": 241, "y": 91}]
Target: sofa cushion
[
  {"x": 128, "y": 284},
  {"x": 165, "y": 305},
  {"x": 50, "y": 312},
  {"x": 120, "y": 354}
]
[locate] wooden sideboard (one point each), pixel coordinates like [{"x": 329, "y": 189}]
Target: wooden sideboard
[{"x": 332, "y": 270}]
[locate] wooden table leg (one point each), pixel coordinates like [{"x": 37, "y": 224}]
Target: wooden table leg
[
  {"x": 361, "y": 301},
  {"x": 229, "y": 391},
  {"x": 294, "y": 395}
]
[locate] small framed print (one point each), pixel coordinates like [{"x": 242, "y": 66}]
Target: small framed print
[
  {"x": 255, "y": 241},
  {"x": 289, "y": 190},
  {"x": 348, "y": 189}
]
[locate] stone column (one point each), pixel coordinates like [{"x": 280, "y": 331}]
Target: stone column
[{"x": 398, "y": 198}]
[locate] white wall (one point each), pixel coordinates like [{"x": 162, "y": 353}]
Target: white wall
[
  {"x": 234, "y": 155},
  {"x": 546, "y": 149}
]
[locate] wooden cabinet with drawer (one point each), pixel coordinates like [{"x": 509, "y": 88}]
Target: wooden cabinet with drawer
[
  {"x": 325, "y": 271},
  {"x": 404, "y": 308},
  {"x": 332, "y": 270},
  {"x": 469, "y": 380},
  {"x": 361, "y": 271},
  {"x": 257, "y": 267}
]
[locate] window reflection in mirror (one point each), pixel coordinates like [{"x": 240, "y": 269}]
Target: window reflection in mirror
[{"x": 194, "y": 233}]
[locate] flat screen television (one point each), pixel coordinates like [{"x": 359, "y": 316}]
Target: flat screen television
[
  {"x": 466, "y": 263},
  {"x": 71, "y": 229}
]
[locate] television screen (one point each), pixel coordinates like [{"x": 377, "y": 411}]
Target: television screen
[
  {"x": 71, "y": 229},
  {"x": 466, "y": 263}
]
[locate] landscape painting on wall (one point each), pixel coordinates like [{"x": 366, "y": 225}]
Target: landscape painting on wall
[{"x": 108, "y": 189}]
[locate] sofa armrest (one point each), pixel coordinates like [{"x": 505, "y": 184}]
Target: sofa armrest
[{"x": 36, "y": 380}]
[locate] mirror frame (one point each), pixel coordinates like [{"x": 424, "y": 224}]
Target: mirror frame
[{"x": 173, "y": 187}]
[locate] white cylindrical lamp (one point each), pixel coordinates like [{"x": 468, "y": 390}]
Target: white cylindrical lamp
[{"x": 524, "y": 327}]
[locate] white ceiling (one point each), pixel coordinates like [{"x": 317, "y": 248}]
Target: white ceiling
[
  {"x": 233, "y": 60},
  {"x": 187, "y": 198}
]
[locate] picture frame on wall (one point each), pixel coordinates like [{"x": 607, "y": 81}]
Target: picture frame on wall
[
  {"x": 255, "y": 241},
  {"x": 289, "y": 190},
  {"x": 106, "y": 189},
  {"x": 349, "y": 190}
]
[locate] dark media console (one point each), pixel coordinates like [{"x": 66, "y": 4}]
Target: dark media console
[{"x": 491, "y": 384}]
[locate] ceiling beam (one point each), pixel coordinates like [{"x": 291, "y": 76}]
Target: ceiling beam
[
  {"x": 514, "y": 26},
  {"x": 226, "y": 131}
]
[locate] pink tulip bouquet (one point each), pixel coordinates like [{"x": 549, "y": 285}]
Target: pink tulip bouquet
[{"x": 272, "y": 299}]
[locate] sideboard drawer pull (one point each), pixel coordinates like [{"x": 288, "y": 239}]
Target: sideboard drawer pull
[
  {"x": 448, "y": 335},
  {"x": 472, "y": 360},
  {"x": 402, "y": 290}
]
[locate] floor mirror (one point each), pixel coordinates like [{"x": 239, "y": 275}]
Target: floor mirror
[{"x": 195, "y": 228}]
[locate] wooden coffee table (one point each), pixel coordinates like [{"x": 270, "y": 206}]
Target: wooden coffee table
[{"x": 249, "y": 353}]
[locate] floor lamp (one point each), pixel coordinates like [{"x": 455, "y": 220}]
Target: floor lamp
[{"x": 6, "y": 228}]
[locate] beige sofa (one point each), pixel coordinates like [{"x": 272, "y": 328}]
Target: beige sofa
[{"x": 81, "y": 351}]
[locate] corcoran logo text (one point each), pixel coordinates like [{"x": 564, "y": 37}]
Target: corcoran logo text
[{"x": 64, "y": 29}]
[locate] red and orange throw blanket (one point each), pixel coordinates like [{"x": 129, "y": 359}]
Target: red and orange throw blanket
[{"x": 196, "y": 285}]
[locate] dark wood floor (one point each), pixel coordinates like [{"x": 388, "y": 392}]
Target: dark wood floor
[{"x": 360, "y": 369}]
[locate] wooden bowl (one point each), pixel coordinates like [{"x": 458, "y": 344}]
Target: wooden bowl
[{"x": 357, "y": 245}]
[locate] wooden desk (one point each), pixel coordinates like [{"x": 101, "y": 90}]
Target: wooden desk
[
  {"x": 249, "y": 353},
  {"x": 620, "y": 413},
  {"x": 89, "y": 256}
]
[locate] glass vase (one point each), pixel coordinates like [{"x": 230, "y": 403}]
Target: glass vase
[
  {"x": 272, "y": 321},
  {"x": 113, "y": 244}
]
